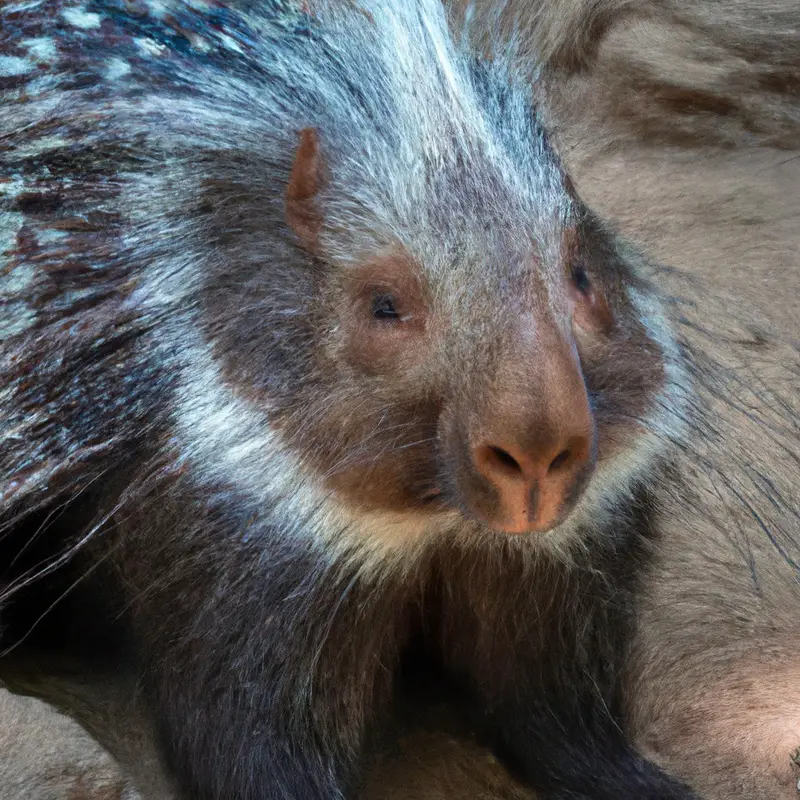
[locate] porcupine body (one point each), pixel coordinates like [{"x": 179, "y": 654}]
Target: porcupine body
[{"x": 308, "y": 352}]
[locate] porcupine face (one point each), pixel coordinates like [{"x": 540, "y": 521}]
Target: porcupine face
[{"x": 352, "y": 244}]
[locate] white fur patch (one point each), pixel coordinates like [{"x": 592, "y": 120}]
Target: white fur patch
[
  {"x": 10, "y": 224},
  {"x": 11, "y": 66},
  {"x": 23, "y": 5},
  {"x": 150, "y": 47},
  {"x": 157, "y": 8},
  {"x": 117, "y": 68},
  {"x": 42, "y": 48},
  {"x": 228, "y": 440},
  {"x": 80, "y": 18},
  {"x": 667, "y": 418},
  {"x": 50, "y": 236}
]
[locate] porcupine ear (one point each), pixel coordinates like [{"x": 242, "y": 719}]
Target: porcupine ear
[{"x": 303, "y": 214}]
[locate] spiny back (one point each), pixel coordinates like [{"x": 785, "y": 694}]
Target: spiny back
[{"x": 164, "y": 80}]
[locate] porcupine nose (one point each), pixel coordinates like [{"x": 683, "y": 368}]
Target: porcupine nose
[
  {"x": 533, "y": 447},
  {"x": 534, "y": 482}
]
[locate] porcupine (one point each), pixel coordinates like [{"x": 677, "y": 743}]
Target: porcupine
[{"x": 312, "y": 361}]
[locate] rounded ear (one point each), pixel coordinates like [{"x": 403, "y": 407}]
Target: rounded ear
[{"x": 303, "y": 214}]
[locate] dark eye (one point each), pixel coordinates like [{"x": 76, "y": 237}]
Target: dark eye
[
  {"x": 383, "y": 307},
  {"x": 581, "y": 279}
]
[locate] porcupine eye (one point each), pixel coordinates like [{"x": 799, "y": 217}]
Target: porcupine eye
[
  {"x": 581, "y": 279},
  {"x": 383, "y": 308}
]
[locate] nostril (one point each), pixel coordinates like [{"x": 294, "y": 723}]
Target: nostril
[
  {"x": 561, "y": 460},
  {"x": 505, "y": 459},
  {"x": 497, "y": 464}
]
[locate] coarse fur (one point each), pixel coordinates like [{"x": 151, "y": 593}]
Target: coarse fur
[
  {"x": 261, "y": 491},
  {"x": 712, "y": 684}
]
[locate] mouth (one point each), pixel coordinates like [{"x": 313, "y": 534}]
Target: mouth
[
  {"x": 437, "y": 499},
  {"x": 529, "y": 522}
]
